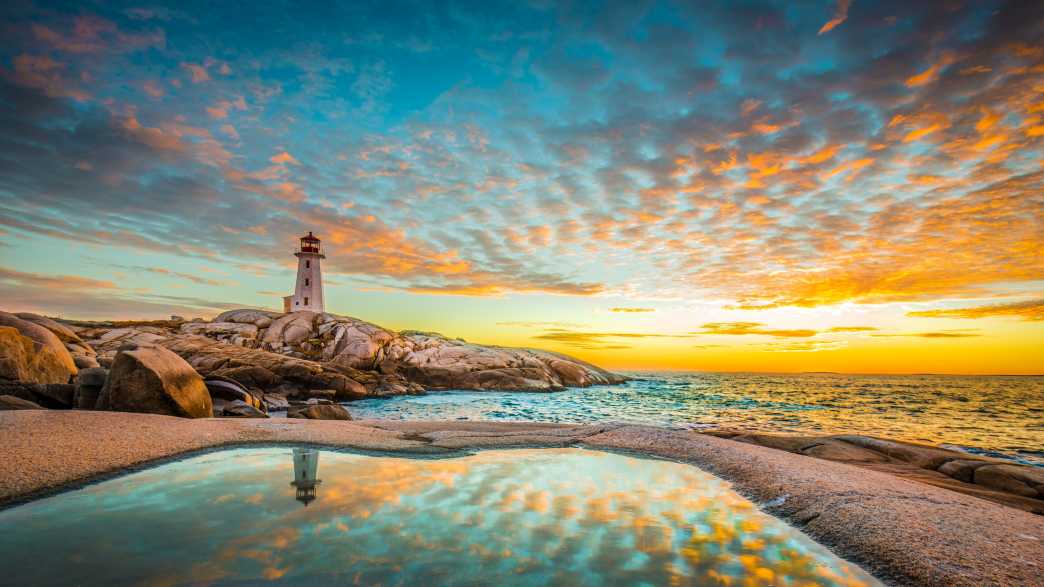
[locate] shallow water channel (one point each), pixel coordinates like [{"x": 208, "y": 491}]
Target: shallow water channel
[{"x": 305, "y": 516}]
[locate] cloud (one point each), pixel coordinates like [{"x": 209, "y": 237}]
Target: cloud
[
  {"x": 744, "y": 328},
  {"x": 1031, "y": 310},
  {"x": 852, "y": 329},
  {"x": 598, "y": 340},
  {"x": 197, "y": 72},
  {"x": 632, "y": 310},
  {"x": 840, "y": 15},
  {"x": 942, "y": 334},
  {"x": 60, "y": 282}
]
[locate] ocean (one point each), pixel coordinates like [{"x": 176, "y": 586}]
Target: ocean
[{"x": 1001, "y": 416}]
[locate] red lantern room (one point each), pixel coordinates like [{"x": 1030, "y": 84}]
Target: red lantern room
[{"x": 309, "y": 244}]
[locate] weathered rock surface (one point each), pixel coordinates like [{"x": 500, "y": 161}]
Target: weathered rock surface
[
  {"x": 10, "y": 402},
  {"x": 406, "y": 361},
  {"x": 155, "y": 380},
  {"x": 31, "y": 352},
  {"x": 240, "y": 409},
  {"x": 1019, "y": 486},
  {"x": 320, "y": 412}
]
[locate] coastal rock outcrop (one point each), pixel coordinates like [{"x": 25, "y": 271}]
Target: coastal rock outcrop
[
  {"x": 320, "y": 412},
  {"x": 1015, "y": 485},
  {"x": 31, "y": 352},
  {"x": 155, "y": 380}
]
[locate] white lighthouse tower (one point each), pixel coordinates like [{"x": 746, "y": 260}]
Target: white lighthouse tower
[{"x": 308, "y": 292}]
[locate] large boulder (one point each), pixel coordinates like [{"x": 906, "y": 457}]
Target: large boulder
[
  {"x": 320, "y": 412},
  {"x": 32, "y": 353},
  {"x": 155, "y": 380},
  {"x": 63, "y": 332}
]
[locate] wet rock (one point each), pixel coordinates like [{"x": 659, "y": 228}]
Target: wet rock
[
  {"x": 10, "y": 402},
  {"x": 155, "y": 380},
  {"x": 1017, "y": 479},
  {"x": 240, "y": 409},
  {"x": 320, "y": 412},
  {"x": 30, "y": 352},
  {"x": 89, "y": 383}
]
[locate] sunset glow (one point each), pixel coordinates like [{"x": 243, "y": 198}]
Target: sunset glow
[{"x": 848, "y": 186}]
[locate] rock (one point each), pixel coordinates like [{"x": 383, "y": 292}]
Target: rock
[
  {"x": 328, "y": 394},
  {"x": 85, "y": 362},
  {"x": 220, "y": 330},
  {"x": 961, "y": 470},
  {"x": 274, "y": 401},
  {"x": 250, "y": 376},
  {"x": 63, "y": 332},
  {"x": 229, "y": 390},
  {"x": 55, "y": 396},
  {"x": 175, "y": 318},
  {"x": 30, "y": 352},
  {"x": 240, "y": 409},
  {"x": 10, "y": 402},
  {"x": 290, "y": 329},
  {"x": 1017, "y": 479},
  {"x": 320, "y": 412},
  {"x": 155, "y": 380},
  {"x": 259, "y": 318},
  {"x": 89, "y": 383}
]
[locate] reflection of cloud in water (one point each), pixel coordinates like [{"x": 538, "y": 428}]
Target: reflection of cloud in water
[{"x": 522, "y": 516}]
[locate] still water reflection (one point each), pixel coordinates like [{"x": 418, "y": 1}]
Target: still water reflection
[{"x": 523, "y": 517}]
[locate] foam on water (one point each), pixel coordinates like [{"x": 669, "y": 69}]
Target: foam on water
[{"x": 998, "y": 416}]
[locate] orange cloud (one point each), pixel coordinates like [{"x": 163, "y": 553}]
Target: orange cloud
[
  {"x": 1031, "y": 310},
  {"x": 744, "y": 328},
  {"x": 840, "y": 15},
  {"x": 632, "y": 310},
  {"x": 929, "y": 74}
]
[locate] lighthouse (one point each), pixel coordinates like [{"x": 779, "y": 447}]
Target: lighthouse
[
  {"x": 308, "y": 292},
  {"x": 306, "y": 468}
]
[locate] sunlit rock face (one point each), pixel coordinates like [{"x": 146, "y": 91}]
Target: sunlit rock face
[
  {"x": 353, "y": 357},
  {"x": 520, "y": 517}
]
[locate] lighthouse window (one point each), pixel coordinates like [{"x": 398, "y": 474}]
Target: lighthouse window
[
  {"x": 306, "y": 282},
  {"x": 308, "y": 264},
  {"x": 306, "y": 301}
]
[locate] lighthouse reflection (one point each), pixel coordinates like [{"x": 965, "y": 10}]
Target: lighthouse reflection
[{"x": 306, "y": 469}]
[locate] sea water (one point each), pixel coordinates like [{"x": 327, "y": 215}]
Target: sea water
[
  {"x": 505, "y": 517},
  {"x": 1000, "y": 416}
]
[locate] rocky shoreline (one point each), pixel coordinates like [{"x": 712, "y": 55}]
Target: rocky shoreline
[
  {"x": 904, "y": 532},
  {"x": 247, "y": 362}
]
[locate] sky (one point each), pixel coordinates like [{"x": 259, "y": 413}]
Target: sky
[{"x": 839, "y": 185}]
